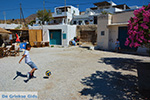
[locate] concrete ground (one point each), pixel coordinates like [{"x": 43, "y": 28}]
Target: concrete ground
[{"x": 77, "y": 74}]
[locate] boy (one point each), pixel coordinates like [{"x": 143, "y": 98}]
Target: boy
[
  {"x": 117, "y": 45},
  {"x": 28, "y": 61}
]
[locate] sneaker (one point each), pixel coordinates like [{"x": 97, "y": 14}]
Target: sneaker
[
  {"x": 33, "y": 76},
  {"x": 28, "y": 75}
]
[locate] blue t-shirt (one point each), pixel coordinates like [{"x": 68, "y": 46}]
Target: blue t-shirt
[
  {"x": 23, "y": 45},
  {"x": 73, "y": 42}
]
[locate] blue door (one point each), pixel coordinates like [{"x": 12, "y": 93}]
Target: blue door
[
  {"x": 122, "y": 38},
  {"x": 55, "y": 37}
]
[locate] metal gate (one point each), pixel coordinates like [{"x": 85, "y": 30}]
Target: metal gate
[
  {"x": 122, "y": 38},
  {"x": 55, "y": 37}
]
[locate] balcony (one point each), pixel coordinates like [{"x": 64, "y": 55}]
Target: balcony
[{"x": 60, "y": 14}]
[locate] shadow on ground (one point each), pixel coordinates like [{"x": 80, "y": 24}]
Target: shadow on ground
[
  {"x": 110, "y": 86},
  {"x": 113, "y": 85},
  {"x": 19, "y": 74},
  {"x": 121, "y": 63}
]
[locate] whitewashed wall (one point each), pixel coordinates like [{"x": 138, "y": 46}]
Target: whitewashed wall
[
  {"x": 103, "y": 40},
  {"x": 9, "y": 26},
  {"x": 70, "y": 31},
  {"x": 111, "y": 31},
  {"x": 113, "y": 35}
]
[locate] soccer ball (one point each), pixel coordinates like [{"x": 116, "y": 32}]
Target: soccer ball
[{"x": 48, "y": 73}]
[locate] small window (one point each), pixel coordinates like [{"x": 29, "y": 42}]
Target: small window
[
  {"x": 68, "y": 21},
  {"x": 74, "y": 22},
  {"x": 54, "y": 21},
  {"x": 80, "y": 22},
  {"x": 64, "y": 36},
  {"x": 86, "y": 22},
  {"x": 102, "y": 33}
]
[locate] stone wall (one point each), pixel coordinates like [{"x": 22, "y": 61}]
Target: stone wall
[{"x": 89, "y": 31}]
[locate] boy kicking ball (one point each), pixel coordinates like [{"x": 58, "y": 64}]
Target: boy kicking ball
[{"x": 28, "y": 61}]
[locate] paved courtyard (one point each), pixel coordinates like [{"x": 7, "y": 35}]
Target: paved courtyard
[{"x": 77, "y": 74}]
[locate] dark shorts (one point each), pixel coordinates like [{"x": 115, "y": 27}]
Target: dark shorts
[
  {"x": 32, "y": 65},
  {"x": 117, "y": 46}
]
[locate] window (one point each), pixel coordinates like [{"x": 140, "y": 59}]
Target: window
[
  {"x": 86, "y": 22},
  {"x": 58, "y": 11},
  {"x": 95, "y": 20},
  {"x": 68, "y": 21},
  {"x": 65, "y": 21},
  {"x": 54, "y": 21},
  {"x": 64, "y": 36},
  {"x": 74, "y": 22},
  {"x": 102, "y": 33},
  {"x": 80, "y": 22},
  {"x": 74, "y": 12}
]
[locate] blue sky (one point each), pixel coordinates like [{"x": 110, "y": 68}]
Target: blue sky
[{"x": 11, "y": 7}]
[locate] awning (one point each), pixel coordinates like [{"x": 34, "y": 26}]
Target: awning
[{"x": 4, "y": 31}]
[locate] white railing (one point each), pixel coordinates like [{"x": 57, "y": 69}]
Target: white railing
[{"x": 61, "y": 14}]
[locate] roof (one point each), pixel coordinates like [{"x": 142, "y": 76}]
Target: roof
[
  {"x": 4, "y": 31},
  {"x": 122, "y": 6},
  {"x": 18, "y": 29},
  {"x": 59, "y": 17},
  {"x": 104, "y": 3},
  {"x": 94, "y": 8},
  {"x": 67, "y": 6},
  {"x": 81, "y": 16},
  {"x": 118, "y": 24},
  {"x": 82, "y": 13},
  {"x": 127, "y": 10}
]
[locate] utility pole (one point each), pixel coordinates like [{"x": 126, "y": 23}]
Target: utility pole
[
  {"x": 78, "y": 6},
  {"x": 21, "y": 14},
  {"x": 43, "y": 4},
  {"x": 65, "y": 13},
  {"x": 4, "y": 16},
  {"x": 43, "y": 10},
  {"x": 65, "y": 4},
  {"x": 43, "y": 18}
]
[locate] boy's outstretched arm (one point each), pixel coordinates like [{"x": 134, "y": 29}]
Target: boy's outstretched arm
[{"x": 22, "y": 58}]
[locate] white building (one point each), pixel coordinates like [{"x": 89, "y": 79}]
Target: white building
[
  {"x": 62, "y": 15},
  {"x": 59, "y": 31},
  {"x": 90, "y": 16},
  {"x": 10, "y": 26},
  {"x": 112, "y": 27},
  {"x": 57, "y": 34},
  {"x": 134, "y": 7}
]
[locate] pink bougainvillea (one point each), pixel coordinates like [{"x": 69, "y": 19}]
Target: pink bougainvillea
[{"x": 139, "y": 27}]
